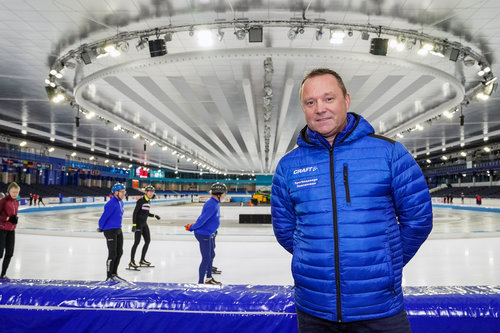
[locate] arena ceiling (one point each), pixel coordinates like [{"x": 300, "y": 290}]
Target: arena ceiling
[{"x": 231, "y": 106}]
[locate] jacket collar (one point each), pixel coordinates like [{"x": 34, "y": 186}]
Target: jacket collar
[{"x": 356, "y": 128}]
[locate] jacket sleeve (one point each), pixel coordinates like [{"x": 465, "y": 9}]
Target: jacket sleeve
[
  {"x": 108, "y": 211},
  {"x": 412, "y": 201},
  {"x": 206, "y": 214},
  {"x": 282, "y": 211},
  {"x": 3, "y": 212},
  {"x": 137, "y": 209}
]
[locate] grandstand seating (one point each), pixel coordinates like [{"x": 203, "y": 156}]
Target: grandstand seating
[
  {"x": 469, "y": 192},
  {"x": 67, "y": 191}
]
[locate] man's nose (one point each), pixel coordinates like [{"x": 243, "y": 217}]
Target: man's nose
[{"x": 320, "y": 107}]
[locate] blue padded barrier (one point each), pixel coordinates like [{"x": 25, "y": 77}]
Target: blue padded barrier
[{"x": 84, "y": 306}]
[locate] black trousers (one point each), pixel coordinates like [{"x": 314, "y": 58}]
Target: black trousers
[
  {"x": 398, "y": 323},
  {"x": 144, "y": 231},
  {"x": 114, "y": 241},
  {"x": 7, "y": 241}
]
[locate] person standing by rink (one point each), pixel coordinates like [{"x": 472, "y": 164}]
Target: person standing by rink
[
  {"x": 140, "y": 227},
  {"x": 205, "y": 228},
  {"x": 353, "y": 208},
  {"x": 8, "y": 223},
  {"x": 111, "y": 224}
]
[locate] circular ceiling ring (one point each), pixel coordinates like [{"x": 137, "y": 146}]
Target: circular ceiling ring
[{"x": 277, "y": 52}]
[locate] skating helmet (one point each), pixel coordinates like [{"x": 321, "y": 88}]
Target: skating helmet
[
  {"x": 117, "y": 187},
  {"x": 218, "y": 188},
  {"x": 149, "y": 188}
]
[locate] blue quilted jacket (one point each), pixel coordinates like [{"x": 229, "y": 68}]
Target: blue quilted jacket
[{"x": 352, "y": 214}]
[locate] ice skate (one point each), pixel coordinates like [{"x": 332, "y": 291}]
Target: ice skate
[
  {"x": 118, "y": 278},
  {"x": 132, "y": 266},
  {"x": 212, "y": 281},
  {"x": 144, "y": 263},
  {"x": 215, "y": 270}
]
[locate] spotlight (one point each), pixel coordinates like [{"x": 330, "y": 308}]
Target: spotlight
[
  {"x": 378, "y": 46},
  {"x": 319, "y": 33},
  {"x": 350, "y": 33},
  {"x": 425, "y": 47},
  {"x": 123, "y": 46},
  {"x": 111, "y": 50},
  {"x": 255, "y": 34},
  {"x": 157, "y": 48},
  {"x": 484, "y": 70},
  {"x": 292, "y": 33},
  {"x": 220, "y": 35},
  {"x": 77, "y": 121},
  {"x": 462, "y": 120},
  {"x": 438, "y": 50},
  {"x": 337, "y": 36},
  {"x": 141, "y": 44},
  {"x": 469, "y": 62},
  {"x": 204, "y": 37},
  {"x": 365, "y": 35},
  {"x": 168, "y": 37},
  {"x": 54, "y": 95},
  {"x": 240, "y": 34}
]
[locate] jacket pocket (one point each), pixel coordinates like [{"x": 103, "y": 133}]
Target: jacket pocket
[
  {"x": 346, "y": 184},
  {"x": 390, "y": 269}
]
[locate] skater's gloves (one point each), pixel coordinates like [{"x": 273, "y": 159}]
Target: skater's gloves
[
  {"x": 157, "y": 217},
  {"x": 99, "y": 230},
  {"x": 187, "y": 226},
  {"x": 134, "y": 227},
  {"x": 13, "y": 219}
]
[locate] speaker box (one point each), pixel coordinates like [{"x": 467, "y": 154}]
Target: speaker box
[{"x": 157, "y": 47}]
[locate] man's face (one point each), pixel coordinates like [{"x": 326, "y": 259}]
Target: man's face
[
  {"x": 325, "y": 106},
  {"x": 120, "y": 194},
  {"x": 14, "y": 192},
  {"x": 150, "y": 194}
]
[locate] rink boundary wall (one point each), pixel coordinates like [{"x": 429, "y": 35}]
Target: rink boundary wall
[
  {"x": 86, "y": 306},
  {"x": 473, "y": 208},
  {"x": 96, "y": 205}
]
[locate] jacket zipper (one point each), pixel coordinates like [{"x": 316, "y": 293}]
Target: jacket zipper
[
  {"x": 336, "y": 236},
  {"x": 346, "y": 185}
]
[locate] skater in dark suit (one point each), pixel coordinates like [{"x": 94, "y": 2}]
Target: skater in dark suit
[{"x": 140, "y": 227}]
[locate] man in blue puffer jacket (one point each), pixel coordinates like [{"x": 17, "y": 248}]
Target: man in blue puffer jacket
[
  {"x": 353, "y": 208},
  {"x": 111, "y": 224}
]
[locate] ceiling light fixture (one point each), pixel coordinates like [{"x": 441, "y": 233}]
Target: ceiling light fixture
[
  {"x": 204, "y": 37},
  {"x": 141, "y": 44},
  {"x": 292, "y": 33},
  {"x": 220, "y": 34},
  {"x": 240, "y": 34},
  {"x": 425, "y": 47},
  {"x": 319, "y": 33},
  {"x": 337, "y": 36}
]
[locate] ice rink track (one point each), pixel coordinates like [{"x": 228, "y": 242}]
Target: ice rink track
[{"x": 463, "y": 249}]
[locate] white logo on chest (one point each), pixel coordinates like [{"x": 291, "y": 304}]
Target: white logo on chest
[{"x": 303, "y": 170}]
